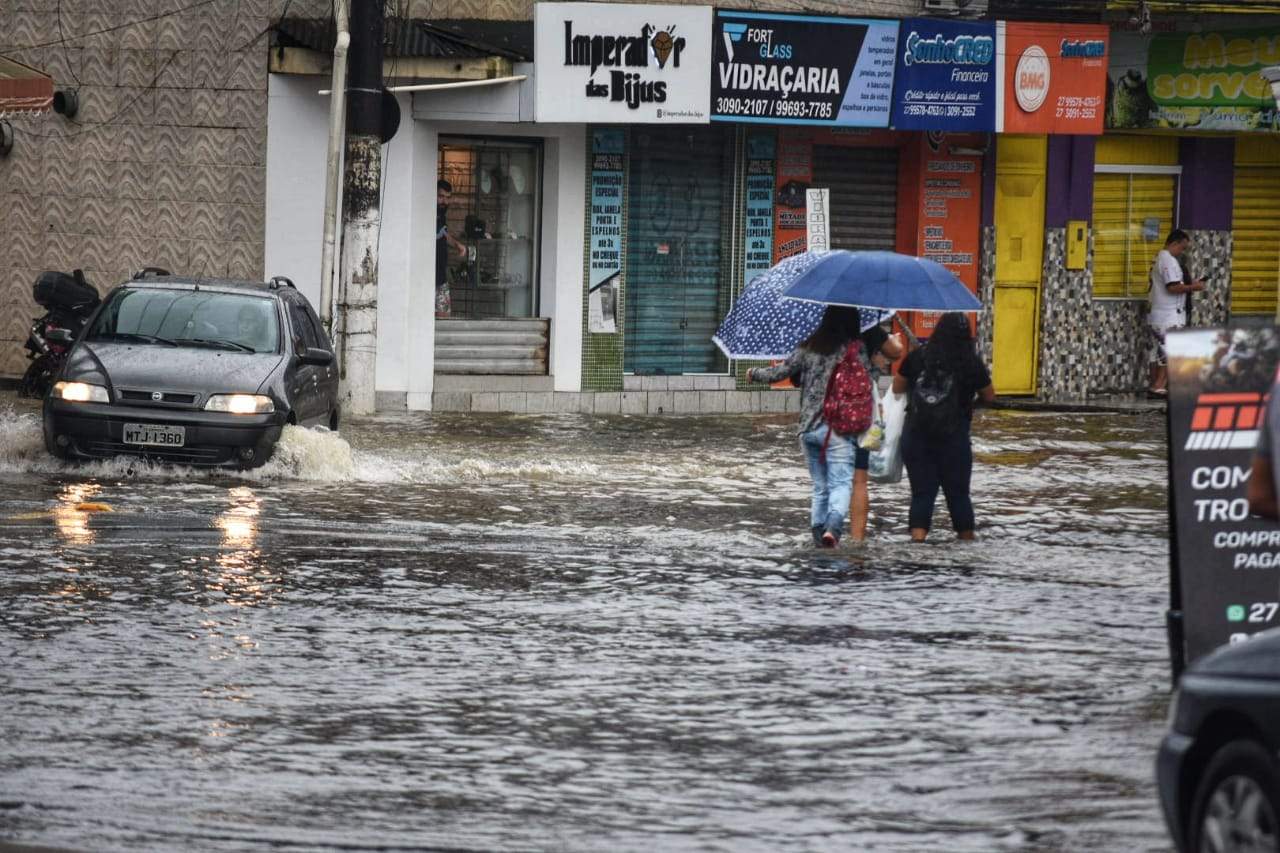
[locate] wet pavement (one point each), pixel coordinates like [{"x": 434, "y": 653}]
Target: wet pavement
[{"x": 577, "y": 633}]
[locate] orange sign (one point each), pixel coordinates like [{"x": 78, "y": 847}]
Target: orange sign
[{"x": 1055, "y": 77}]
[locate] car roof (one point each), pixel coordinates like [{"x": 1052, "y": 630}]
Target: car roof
[{"x": 224, "y": 285}]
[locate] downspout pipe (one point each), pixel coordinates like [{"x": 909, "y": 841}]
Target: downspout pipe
[{"x": 333, "y": 172}]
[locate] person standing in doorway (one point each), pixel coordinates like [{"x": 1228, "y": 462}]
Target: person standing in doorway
[
  {"x": 1169, "y": 305},
  {"x": 942, "y": 379},
  {"x": 444, "y": 192}
]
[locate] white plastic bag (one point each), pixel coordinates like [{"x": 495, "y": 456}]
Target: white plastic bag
[
  {"x": 885, "y": 465},
  {"x": 870, "y": 438}
]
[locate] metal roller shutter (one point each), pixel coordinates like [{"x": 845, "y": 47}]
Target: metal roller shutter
[
  {"x": 676, "y": 248},
  {"x": 1132, "y": 214},
  {"x": 864, "y": 194},
  {"x": 1255, "y": 251}
]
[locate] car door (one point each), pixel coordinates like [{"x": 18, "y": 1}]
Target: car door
[
  {"x": 328, "y": 381},
  {"x": 304, "y": 384}
]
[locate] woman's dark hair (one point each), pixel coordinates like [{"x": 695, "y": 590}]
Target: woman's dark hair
[
  {"x": 840, "y": 324},
  {"x": 951, "y": 343}
]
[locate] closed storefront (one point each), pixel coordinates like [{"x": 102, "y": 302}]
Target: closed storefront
[
  {"x": 1255, "y": 215},
  {"x": 1135, "y": 191},
  {"x": 864, "y": 194},
  {"x": 679, "y": 224}
]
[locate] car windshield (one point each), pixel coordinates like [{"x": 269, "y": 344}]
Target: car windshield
[{"x": 190, "y": 318}]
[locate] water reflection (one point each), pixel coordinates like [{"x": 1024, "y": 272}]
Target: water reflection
[
  {"x": 71, "y": 516},
  {"x": 243, "y": 579}
]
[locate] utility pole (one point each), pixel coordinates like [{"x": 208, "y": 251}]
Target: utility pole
[{"x": 361, "y": 215}]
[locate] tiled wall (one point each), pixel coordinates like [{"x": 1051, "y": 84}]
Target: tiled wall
[
  {"x": 1090, "y": 347},
  {"x": 986, "y": 292},
  {"x": 164, "y": 164}
]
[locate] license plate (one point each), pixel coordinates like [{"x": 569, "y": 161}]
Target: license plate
[{"x": 166, "y": 436}]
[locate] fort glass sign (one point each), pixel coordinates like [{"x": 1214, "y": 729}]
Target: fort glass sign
[{"x": 622, "y": 63}]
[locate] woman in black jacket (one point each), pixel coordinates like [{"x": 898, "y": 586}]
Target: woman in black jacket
[{"x": 942, "y": 378}]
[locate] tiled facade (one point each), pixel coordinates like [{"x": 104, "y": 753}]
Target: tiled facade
[
  {"x": 639, "y": 395},
  {"x": 1091, "y": 347},
  {"x": 163, "y": 165}
]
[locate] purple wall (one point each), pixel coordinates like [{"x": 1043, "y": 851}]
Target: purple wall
[
  {"x": 1069, "y": 180},
  {"x": 1204, "y": 195}
]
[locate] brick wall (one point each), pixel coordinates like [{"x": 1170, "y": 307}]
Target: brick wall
[{"x": 164, "y": 164}]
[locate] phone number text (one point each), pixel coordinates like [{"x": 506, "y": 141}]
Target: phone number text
[{"x": 769, "y": 108}]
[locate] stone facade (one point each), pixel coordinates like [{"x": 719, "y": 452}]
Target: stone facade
[
  {"x": 164, "y": 163},
  {"x": 518, "y": 10},
  {"x": 986, "y": 291}
]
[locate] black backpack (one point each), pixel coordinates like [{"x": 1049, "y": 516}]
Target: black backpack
[{"x": 935, "y": 401}]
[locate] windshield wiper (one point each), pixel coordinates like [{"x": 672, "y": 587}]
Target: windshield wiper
[
  {"x": 134, "y": 336},
  {"x": 210, "y": 342}
]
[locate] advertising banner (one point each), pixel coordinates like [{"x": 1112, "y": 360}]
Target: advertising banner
[
  {"x": 1228, "y": 562},
  {"x": 758, "y": 257},
  {"x": 605, "y": 264},
  {"x": 1193, "y": 81},
  {"x": 795, "y": 69},
  {"x": 621, "y": 63},
  {"x": 946, "y": 76},
  {"x": 1055, "y": 77},
  {"x": 793, "y": 176},
  {"x": 817, "y": 216}
]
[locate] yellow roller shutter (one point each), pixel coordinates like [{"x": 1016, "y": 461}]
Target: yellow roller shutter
[
  {"x": 1255, "y": 251},
  {"x": 1132, "y": 214}
]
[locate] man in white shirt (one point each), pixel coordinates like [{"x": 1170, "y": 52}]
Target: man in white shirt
[{"x": 1168, "y": 304}]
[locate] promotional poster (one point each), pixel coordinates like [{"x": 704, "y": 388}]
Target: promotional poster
[
  {"x": 1228, "y": 562},
  {"x": 794, "y": 69},
  {"x": 1054, "y": 77},
  {"x": 1198, "y": 81},
  {"x": 605, "y": 264},
  {"x": 946, "y": 76}
]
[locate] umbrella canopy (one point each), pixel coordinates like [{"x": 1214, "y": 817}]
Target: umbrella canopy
[
  {"x": 762, "y": 324},
  {"x": 885, "y": 280}
]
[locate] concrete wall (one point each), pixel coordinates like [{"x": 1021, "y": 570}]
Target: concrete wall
[{"x": 165, "y": 162}]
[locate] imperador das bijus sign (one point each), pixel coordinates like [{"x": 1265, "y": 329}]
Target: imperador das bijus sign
[{"x": 621, "y": 63}]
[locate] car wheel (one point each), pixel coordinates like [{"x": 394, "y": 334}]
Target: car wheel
[
  {"x": 333, "y": 421},
  {"x": 1237, "y": 802}
]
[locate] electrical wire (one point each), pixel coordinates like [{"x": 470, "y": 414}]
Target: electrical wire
[{"x": 197, "y": 5}]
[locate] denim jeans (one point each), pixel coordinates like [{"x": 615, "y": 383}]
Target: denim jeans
[
  {"x": 934, "y": 462},
  {"x": 832, "y": 477}
]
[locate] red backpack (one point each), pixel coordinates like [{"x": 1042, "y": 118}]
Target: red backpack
[{"x": 847, "y": 408}]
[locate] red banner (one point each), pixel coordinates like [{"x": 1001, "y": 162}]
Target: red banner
[{"x": 1055, "y": 77}]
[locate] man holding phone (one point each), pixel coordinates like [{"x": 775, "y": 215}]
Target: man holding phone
[{"x": 1169, "y": 305}]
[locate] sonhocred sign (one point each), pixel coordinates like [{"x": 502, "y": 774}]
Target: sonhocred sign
[{"x": 621, "y": 63}]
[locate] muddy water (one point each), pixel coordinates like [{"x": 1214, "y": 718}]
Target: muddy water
[{"x": 580, "y": 633}]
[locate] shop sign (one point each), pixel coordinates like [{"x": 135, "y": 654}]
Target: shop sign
[
  {"x": 621, "y": 63},
  {"x": 796, "y": 69},
  {"x": 1194, "y": 81},
  {"x": 1055, "y": 77},
  {"x": 817, "y": 204},
  {"x": 605, "y": 266},
  {"x": 946, "y": 76},
  {"x": 1227, "y": 562}
]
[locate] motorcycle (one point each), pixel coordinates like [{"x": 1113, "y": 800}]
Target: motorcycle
[{"x": 69, "y": 301}]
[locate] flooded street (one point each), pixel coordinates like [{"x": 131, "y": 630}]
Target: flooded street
[{"x": 578, "y": 633}]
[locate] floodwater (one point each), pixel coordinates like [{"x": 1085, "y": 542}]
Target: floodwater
[{"x": 577, "y": 633}]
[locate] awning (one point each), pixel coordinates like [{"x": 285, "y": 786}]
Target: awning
[{"x": 23, "y": 90}]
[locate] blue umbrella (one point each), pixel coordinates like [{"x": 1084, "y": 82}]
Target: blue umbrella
[
  {"x": 885, "y": 280},
  {"x": 762, "y": 324}
]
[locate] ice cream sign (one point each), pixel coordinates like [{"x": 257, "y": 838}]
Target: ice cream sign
[
  {"x": 1197, "y": 81},
  {"x": 605, "y": 62}
]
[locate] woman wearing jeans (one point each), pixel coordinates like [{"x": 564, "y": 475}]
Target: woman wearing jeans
[
  {"x": 810, "y": 367},
  {"x": 935, "y": 440}
]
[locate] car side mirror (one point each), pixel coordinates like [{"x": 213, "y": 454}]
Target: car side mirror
[
  {"x": 315, "y": 355},
  {"x": 60, "y": 336}
]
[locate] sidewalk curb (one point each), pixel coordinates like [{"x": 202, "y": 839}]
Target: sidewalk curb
[{"x": 1119, "y": 407}]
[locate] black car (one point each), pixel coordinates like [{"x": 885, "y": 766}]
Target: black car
[
  {"x": 194, "y": 371},
  {"x": 1219, "y": 765}
]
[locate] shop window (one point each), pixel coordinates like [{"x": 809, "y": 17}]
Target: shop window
[
  {"x": 494, "y": 213},
  {"x": 1133, "y": 212}
]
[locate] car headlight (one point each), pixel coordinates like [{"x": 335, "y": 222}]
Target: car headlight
[
  {"x": 240, "y": 404},
  {"x": 80, "y": 392}
]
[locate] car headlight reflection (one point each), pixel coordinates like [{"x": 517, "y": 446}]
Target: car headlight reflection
[
  {"x": 240, "y": 404},
  {"x": 80, "y": 392}
]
